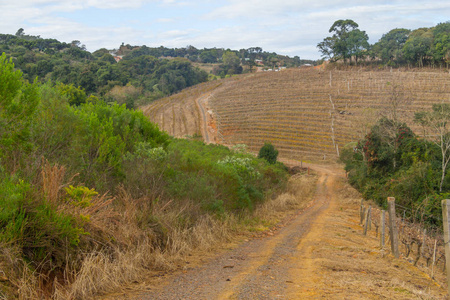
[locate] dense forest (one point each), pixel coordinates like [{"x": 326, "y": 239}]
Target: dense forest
[{"x": 400, "y": 46}]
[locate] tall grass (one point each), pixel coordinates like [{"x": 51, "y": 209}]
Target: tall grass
[{"x": 103, "y": 272}]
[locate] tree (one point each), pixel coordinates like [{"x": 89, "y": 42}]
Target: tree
[
  {"x": 20, "y": 32},
  {"x": 231, "y": 63},
  {"x": 357, "y": 44},
  {"x": 437, "y": 121},
  {"x": 441, "y": 43},
  {"x": 18, "y": 102},
  {"x": 326, "y": 47},
  {"x": 389, "y": 47},
  {"x": 230, "y": 59},
  {"x": 251, "y": 64},
  {"x": 269, "y": 153},
  {"x": 272, "y": 60},
  {"x": 418, "y": 46},
  {"x": 347, "y": 41},
  {"x": 209, "y": 56}
]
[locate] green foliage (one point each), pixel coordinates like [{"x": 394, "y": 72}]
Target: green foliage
[
  {"x": 35, "y": 227},
  {"x": 392, "y": 162},
  {"x": 80, "y": 196},
  {"x": 84, "y": 73},
  {"x": 389, "y": 47},
  {"x": 347, "y": 41},
  {"x": 76, "y": 96},
  {"x": 269, "y": 153},
  {"x": 211, "y": 175},
  {"x": 399, "y": 46},
  {"x": 18, "y": 102}
]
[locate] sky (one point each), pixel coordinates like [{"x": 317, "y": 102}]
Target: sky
[{"x": 288, "y": 27}]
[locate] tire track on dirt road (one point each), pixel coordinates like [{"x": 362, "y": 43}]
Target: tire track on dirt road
[{"x": 260, "y": 268}]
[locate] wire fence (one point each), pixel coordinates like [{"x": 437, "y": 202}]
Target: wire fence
[{"x": 416, "y": 243}]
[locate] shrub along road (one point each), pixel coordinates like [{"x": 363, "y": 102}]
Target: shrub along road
[{"x": 321, "y": 253}]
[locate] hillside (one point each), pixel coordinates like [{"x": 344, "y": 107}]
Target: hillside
[{"x": 305, "y": 113}]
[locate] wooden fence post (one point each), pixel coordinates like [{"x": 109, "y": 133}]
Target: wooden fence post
[
  {"x": 361, "y": 212},
  {"x": 422, "y": 251},
  {"x": 445, "y": 220},
  {"x": 366, "y": 226},
  {"x": 382, "y": 234},
  {"x": 393, "y": 227}
]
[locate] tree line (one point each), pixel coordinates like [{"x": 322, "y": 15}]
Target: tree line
[
  {"x": 134, "y": 78},
  {"x": 214, "y": 55},
  {"x": 400, "y": 46}
]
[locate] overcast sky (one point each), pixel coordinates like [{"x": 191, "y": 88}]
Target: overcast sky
[{"x": 290, "y": 27}]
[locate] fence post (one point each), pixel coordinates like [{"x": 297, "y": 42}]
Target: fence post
[
  {"x": 366, "y": 226},
  {"x": 393, "y": 227},
  {"x": 382, "y": 234},
  {"x": 361, "y": 212},
  {"x": 445, "y": 221},
  {"x": 422, "y": 251}
]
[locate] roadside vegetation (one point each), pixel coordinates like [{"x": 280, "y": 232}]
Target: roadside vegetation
[
  {"x": 392, "y": 161},
  {"x": 92, "y": 191}
]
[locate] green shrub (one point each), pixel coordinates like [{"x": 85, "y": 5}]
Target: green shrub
[
  {"x": 41, "y": 232},
  {"x": 392, "y": 162},
  {"x": 269, "y": 153}
]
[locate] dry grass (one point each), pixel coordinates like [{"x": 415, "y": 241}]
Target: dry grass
[
  {"x": 174, "y": 231},
  {"x": 185, "y": 233},
  {"x": 132, "y": 238},
  {"x": 299, "y": 191},
  {"x": 352, "y": 266}
]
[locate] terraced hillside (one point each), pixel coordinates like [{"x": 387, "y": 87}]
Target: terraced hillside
[{"x": 306, "y": 114}]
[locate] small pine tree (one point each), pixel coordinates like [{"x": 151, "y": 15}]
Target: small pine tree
[{"x": 269, "y": 153}]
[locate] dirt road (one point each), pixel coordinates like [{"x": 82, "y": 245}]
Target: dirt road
[
  {"x": 319, "y": 254},
  {"x": 279, "y": 266}
]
